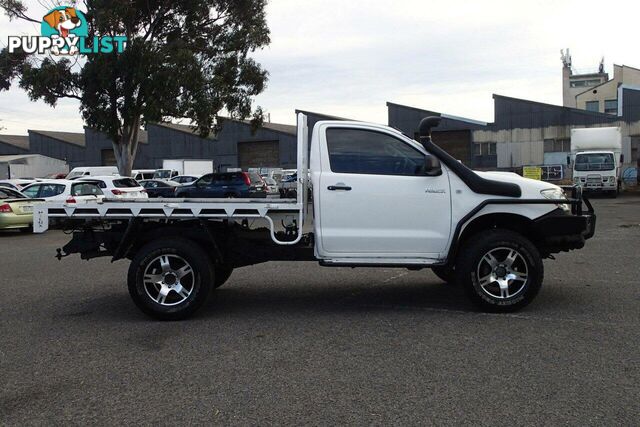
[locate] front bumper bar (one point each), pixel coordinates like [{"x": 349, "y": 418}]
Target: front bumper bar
[{"x": 561, "y": 231}]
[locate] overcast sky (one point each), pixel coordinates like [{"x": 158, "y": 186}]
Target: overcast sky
[{"x": 347, "y": 58}]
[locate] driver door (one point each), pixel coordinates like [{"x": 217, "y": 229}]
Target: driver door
[{"x": 375, "y": 199}]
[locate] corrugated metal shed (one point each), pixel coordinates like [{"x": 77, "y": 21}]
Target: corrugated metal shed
[
  {"x": 522, "y": 153},
  {"x": 14, "y": 144}
]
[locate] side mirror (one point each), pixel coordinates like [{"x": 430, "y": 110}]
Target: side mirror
[
  {"x": 621, "y": 158},
  {"x": 432, "y": 166},
  {"x": 568, "y": 160}
]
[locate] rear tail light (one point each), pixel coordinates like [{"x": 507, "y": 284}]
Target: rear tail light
[
  {"x": 5, "y": 208},
  {"x": 117, "y": 192},
  {"x": 70, "y": 200},
  {"x": 247, "y": 179}
]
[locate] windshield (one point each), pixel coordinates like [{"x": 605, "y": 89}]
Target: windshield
[
  {"x": 75, "y": 174},
  {"x": 125, "y": 183},
  {"x": 85, "y": 189},
  {"x": 7, "y": 193},
  {"x": 162, "y": 174},
  {"x": 594, "y": 162}
]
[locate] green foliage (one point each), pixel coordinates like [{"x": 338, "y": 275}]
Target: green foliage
[{"x": 184, "y": 59}]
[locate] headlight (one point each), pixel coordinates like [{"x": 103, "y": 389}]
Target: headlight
[{"x": 556, "y": 194}]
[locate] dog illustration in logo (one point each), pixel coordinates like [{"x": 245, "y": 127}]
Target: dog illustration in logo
[{"x": 63, "y": 21}]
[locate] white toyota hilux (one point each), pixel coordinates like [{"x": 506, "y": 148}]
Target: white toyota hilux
[{"x": 379, "y": 199}]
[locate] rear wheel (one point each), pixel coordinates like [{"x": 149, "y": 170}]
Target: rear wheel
[
  {"x": 501, "y": 271},
  {"x": 170, "y": 279}
]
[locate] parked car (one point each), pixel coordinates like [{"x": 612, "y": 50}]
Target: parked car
[
  {"x": 16, "y": 184},
  {"x": 119, "y": 187},
  {"x": 165, "y": 174},
  {"x": 160, "y": 188},
  {"x": 8, "y": 185},
  {"x": 92, "y": 171},
  {"x": 184, "y": 179},
  {"x": 64, "y": 190},
  {"x": 229, "y": 184},
  {"x": 272, "y": 186},
  {"x": 16, "y": 210},
  {"x": 142, "y": 174}
]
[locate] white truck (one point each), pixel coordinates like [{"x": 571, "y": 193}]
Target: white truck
[
  {"x": 175, "y": 167},
  {"x": 380, "y": 199},
  {"x": 597, "y": 157}
]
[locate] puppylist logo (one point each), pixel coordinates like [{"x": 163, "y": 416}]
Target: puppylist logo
[{"x": 64, "y": 31}]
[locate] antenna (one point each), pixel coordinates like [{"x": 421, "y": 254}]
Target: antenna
[
  {"x": 565, "y": 57},
  {"x": 601, "y": 66}
]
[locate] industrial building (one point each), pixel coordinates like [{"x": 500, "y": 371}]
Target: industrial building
[
  {"x": 525, "y": 132},
  {"x": 235, "y": 145},
  {"x": 522, "y": 133},
  {"x": 13, "y": 144}
]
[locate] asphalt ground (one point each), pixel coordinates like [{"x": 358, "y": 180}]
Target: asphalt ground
[{"x": 296, "y": 343}]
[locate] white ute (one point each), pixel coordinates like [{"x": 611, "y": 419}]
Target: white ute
[{"x": 379, "y": 199}]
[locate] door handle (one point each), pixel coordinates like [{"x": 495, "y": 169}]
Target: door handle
[{"x": 338, "y": 187}]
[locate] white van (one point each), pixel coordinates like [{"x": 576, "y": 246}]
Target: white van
[
  {"x": 142, "y": 174},
  {"x": 92, "y": 171}
]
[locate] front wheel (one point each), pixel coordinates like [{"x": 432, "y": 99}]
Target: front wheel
[
  {"x": 170, "y": 279},
  {"x": 500, "y": 270}
]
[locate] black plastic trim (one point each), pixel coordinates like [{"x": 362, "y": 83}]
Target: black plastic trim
[
  {"x": 475, "y": 182},
  {"x": 576, "y": 210}
]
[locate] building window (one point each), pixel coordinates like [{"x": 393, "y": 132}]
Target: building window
[
  {"x": 611, "y": 106},
  {"x": 584, "y": 83},
  {"x": 484, "y": 149},
  {"x": 593, "y": 106},
  {"x": 489, "y": 148},
  {"x": 557, "y": 145}
]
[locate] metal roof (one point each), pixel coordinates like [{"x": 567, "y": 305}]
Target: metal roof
[
  {"x": 69, "y": 137},
  {"x": 277, "y": 127},
  {"x": 20, "y": 141},
  {"x": 181, "y": 128},
  {"x": 17, "y": 157}
]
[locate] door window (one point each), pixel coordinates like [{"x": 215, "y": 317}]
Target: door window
[
  {"x": 205, "y": 180},
  {"x": 368, "y": 152},
  {"x": 51, "y": 190},
  {"x": 31, "y": 191}
]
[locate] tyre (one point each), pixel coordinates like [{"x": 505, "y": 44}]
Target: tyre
[
  {"x": 500, "y": 270},
  {"x": 446, "y": 274},
  {"x": 170, "y": 279},
  {"x": 222, "y": 273}
]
